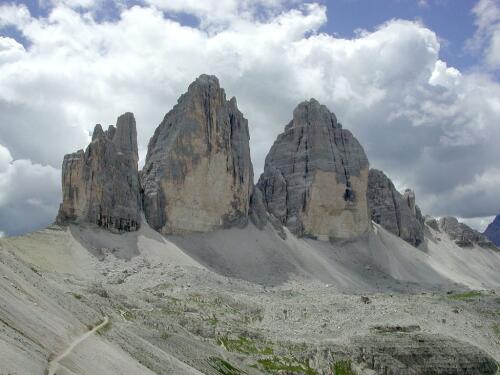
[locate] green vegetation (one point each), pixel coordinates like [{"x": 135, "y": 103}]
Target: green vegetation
[
  {"x": 127, "y": 315},
  {"x": 277, "y": 365},
  {"x": 35, "y": 270},
  {"x": 466, "y": 296},
  {"x": 223, "y": 367},
  {"x": 243, "y": 345},
  {"x": 77, "y": 296},
  {"x": 343, "y": 368},
  {"x": 496, "y": 329}
]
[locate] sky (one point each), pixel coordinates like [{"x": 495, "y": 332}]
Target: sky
[{"x": 416, "y": 81}]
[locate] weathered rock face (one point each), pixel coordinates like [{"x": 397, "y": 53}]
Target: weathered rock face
[
  {"x": 493, "y": 231},
  {"x": 101, "y": 184},
  {"x": 431, "y": 222},
  {"x": 420, "y": 353},
  {"x": 315, "y": 176},
  {"x": 462, "y": 234},
  {"x": 198, "y": 175},
  {"x": 395, "y": 212}
]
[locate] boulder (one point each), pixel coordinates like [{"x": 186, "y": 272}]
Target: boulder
[
  {"x": 198, "y": 175},
  {"x": 101, "y": 184},
  {"x": 316, "y": 175},
  {"x": 395, "y": 212}
]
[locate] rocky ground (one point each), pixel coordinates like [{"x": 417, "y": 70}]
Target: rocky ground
[{"x": 173, "y": 309}]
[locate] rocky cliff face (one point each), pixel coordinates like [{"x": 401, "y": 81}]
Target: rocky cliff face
[
  {"x": 101, "y": 184},
  {"x": 395, "y": 212},
  {"x": 315, "y": 176},
  {"x": 420, "y": 353},
  {"x": 493, "y": 231},
  {"x": 198, "y": 175},
  {"x": 462, "y": 234}
]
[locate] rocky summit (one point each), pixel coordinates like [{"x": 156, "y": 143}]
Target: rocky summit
[
  {"x": 394, "y": 211},
  {"x": 493, "y": 231},
  {"x": 198, "y": 175},
  {"x": 101, "y": 184},
  {"x": 462, "y": 234},
  {"x": 316, "y": 175}
]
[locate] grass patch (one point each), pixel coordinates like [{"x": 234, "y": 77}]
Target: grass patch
[
  {"x": 343, "y": 368},
  {"x": 279, "y": 365},
  {"x": 223, "y": 367},
  {"x": 243, "y": 345},
  {"x": 77, "y": 296},
  {"x": 466, "y": 296},
  {"x": 496, "y": 329},
  {"x": 127, "y": 315}
]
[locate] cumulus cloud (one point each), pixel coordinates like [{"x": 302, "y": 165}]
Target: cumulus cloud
[
  {"x": 29, "y": 194},
  {"x": 428, "y": 125}
]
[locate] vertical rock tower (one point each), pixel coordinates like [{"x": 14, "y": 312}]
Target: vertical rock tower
[
  {"x": 198, "y": 175},
  {"x": 316, "y": 175},
  {"x": 395, "y": 212},
  {"x": 101, "y": 184}
]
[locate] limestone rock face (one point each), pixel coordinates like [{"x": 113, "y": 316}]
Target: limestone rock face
[
  {"x": 493, "y": 231},
  {"x": 101, "y": 184},
  {"x": 420, "y": 353},
  {"x": 198, "y": 175},
  {"x": 315, "y": 176},
  {"x": 462, "y": 234},
  {"x": 431, "y": 222},
  {"x": 395, "y": 212}
]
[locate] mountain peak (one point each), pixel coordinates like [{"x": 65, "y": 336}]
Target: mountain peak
[{"x": 493, "y": 231}]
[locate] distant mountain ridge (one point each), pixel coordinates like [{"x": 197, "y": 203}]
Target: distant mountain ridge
[{"x": 493, "y": 231}]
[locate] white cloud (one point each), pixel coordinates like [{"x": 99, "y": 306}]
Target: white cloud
[
  {"x": 444, "y": 76},
  {"x": 479, "y": 223},
  {"x": 11, "y": 14},
  {"x": 487, "y": 36},
  {"x": 426, "y": 124},
  {"x": 2, "y": 234},
  {"x": 214, "y": 14},
  {"x": 29, "y": 194},
  {"x": 10, "y": 50}
]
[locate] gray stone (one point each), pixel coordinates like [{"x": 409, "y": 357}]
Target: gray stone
[
  {"x": 198, "y": 175},
  {"x": 420, "y": 353},
  {"x": 462, "y": 234},
  {"x": 101, "y": 184},
  {"x": 258, "y": 213},
  {"x": 316, "y": 175},
  {"x": 395, "y": 212},
  {"x": 431, "y": 222}
]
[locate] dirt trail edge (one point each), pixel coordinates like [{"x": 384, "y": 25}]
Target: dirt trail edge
[{"x": 54, "y": 364}]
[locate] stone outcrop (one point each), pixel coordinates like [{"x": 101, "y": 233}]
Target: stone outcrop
[
  {"x": 198, "y": 175},
  {"x": 462, "y": 234},
  {"x": 420, "y": 353},
  {"x": 493, "y": 231},
  {"x": 315, "y": 176},
  {"x": 431, "y": 222},
  {"x": 394, "y": 211},
  {"x": 101, "y": 184}
]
